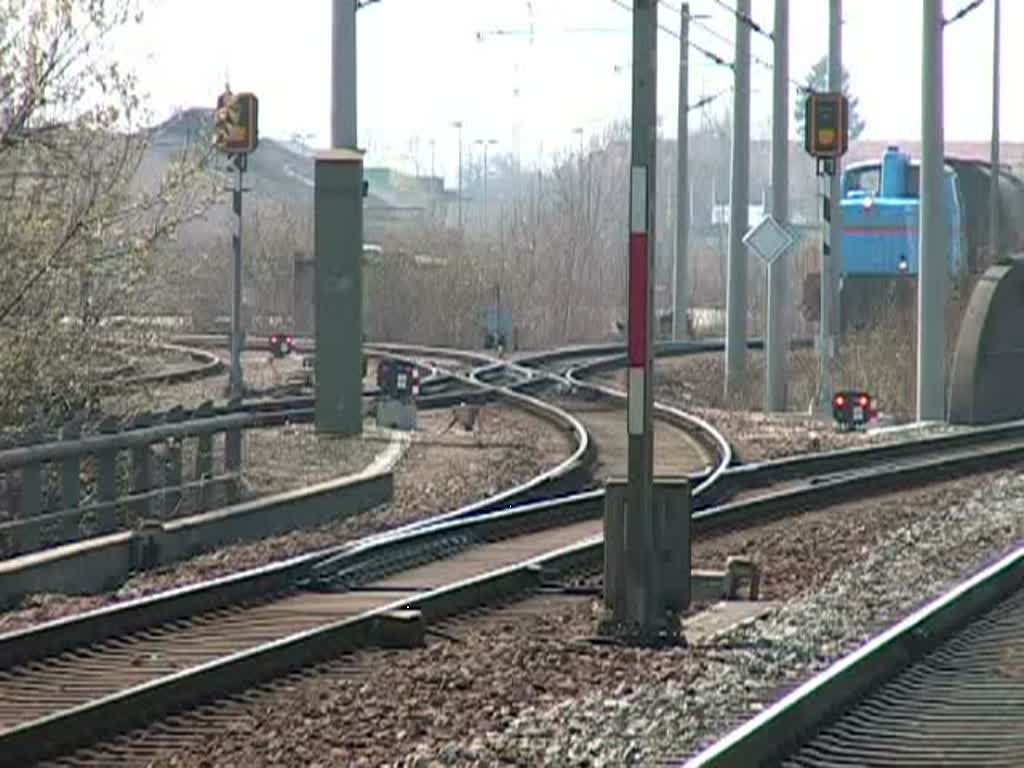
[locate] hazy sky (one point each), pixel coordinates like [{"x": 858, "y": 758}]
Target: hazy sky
[{"x": 421, "y": 67}]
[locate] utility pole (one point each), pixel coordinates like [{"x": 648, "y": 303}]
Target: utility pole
[
  {"x": 579, "y": 131},
  {"x": 642, "y": 595},
  {"x": 485, "y": 143},
  {"x": 933, "y": 243},
  {"x": 338, "y": 225},
  {"x": 993, "y": 207},
  {"x": 776, "y": 343},
  {"x": 736, "y": 291},
  {"x": 679, "y": 282},
  {"x": 236, "y": 385},
  {"x": 458, "y": 124},
  {"x": 832, "y": 252},
  {"x": 343, "y": 75}
]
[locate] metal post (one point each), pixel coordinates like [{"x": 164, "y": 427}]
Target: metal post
[
  {"x": 679, "y": 282},
  {"x": 579, "y": 164},
  {"x": 776, "y": 341},
  {"x": 343, "y": 75},
  {"x": 236, "y": 385},
  {"x": 485, "y": 186},
  {"x": 458, "y": 124},
  {"x": 736, "y": 290},
  {"x": 641, "y": 591},
  {"x": 338, "y": 241},
  {"x": 933, "y": 244},
  {"x": 993, "y": 223},
  {"x": 338, "y": 225},
  {"x": 832, "y": 250},
  {"x": 825, "y": 295}
]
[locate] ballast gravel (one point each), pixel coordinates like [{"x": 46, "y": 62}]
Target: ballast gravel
[
  {"x": 471, "y": 696},
  {"x": 726, "y": 680},
  {"x": 444, "y": 468}
]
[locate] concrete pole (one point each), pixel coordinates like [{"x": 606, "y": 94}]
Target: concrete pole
[
  {"x": 679, "y": 283},
  {"x": 832, "y": 256},
  {"x": 343, "y": 75},
  {"x": 775, "y": 381},
  {"x": 236, "y": 384},
  {"x": 933, "y": 243},
  {"x": 993, "y": 224},
  {"x": 485, "y": 186},
  {"x": 736, "y": 290},
  {"x": 642, "y": 606},
  {"x": 458, "y": 124},
  {"x": 835, "y": 83}
]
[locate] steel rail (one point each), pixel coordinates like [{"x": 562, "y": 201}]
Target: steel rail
[
  {"x": 375, "y": 559},
  {"x": 372, "y": 559},
  {"x": 709, "y": 435},
  {"x": 782, "y": 731}
]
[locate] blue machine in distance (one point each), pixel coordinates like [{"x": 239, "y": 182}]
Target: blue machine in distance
[
  {"x": 880, "y": 213},
  {"x": 880, "y": 207}
]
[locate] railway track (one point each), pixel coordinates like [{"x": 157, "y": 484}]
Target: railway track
[
  {"x": 146, "y": 656},
  {"x": 942, "y": 687},
  {"x": 135, "y": 663},
  {"x": 299, "y": 613}
]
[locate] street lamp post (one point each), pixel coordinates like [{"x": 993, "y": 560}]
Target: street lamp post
[
  {"x": 458, "y": 124},
  {"x": 579, "y": 132},
  {"x": 485, "y": 143}
]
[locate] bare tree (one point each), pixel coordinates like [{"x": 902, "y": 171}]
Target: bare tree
[{"x": 77, "y": 229}]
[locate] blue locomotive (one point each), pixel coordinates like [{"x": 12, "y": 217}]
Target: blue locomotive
[{"x": 880, "y": 228}]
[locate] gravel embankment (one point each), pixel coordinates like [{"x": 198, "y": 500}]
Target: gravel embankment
[
  {"x": 442, "y": 470},
  {"x": 521, "y": 689},
  {"x": 902, "y": 568},
  {"x": 259, "y": 371},
  {"x": 695, "y": 383}
]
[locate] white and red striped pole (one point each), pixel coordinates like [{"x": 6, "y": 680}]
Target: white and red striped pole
[
  {"x": 639, "y": 311},
  {"x": 644, "y": 606}
]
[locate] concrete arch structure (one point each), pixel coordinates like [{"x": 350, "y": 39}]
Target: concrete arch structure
[{"x": 987, "y": 383}]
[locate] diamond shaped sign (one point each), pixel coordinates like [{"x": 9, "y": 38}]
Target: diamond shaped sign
[{"x": 768, "y": 239}]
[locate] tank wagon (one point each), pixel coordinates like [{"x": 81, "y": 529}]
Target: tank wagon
[{"x": 880, "y": 210}]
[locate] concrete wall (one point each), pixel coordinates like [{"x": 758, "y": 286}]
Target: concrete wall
[{"x": 100, "y": 564}]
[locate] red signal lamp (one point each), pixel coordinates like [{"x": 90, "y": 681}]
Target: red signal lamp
[
  {"x": 852, "y": 409},
  {"x": 281, "y": 345}
]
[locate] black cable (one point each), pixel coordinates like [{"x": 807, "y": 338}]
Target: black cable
[
  {"x": 801, "y": 88},
  {"x": 745, "y": 19},
  {"x": 971, "y": 6},
  {"x": 710, "y": 55},
  {"x": 763, "y": 62},
  {"x": 701, "y": 103}
]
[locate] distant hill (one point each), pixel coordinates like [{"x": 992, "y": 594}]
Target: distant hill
[{"x": 277, "y": 170}]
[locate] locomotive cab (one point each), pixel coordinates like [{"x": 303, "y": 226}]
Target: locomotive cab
[{"x": 880, "y": 227}]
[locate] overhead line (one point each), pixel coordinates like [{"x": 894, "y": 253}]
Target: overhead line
[
  {"x": 709, "y": 54},
  {"x": 744, "y": 18},
  {"x": 801, "y": 88},
  {"x": 727, "y": 41},
  {"x": 703, "y": 102},
  {"x": 971, "y": 6}
]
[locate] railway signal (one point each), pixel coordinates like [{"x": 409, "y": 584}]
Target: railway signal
[
  {"x": 281, "y": 345},
  {"x": 852, "y": 408},
  {"x": 236, "y": 123},
  {"x": 399, "y": 383},
  {"x": 236, "y": 134},
  {"x": 826, "y": 125}
]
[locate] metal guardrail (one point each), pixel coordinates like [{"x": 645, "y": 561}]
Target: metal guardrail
[
  {"x": 61, "y": 486},
  {"x": 131, "y": 472}
]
